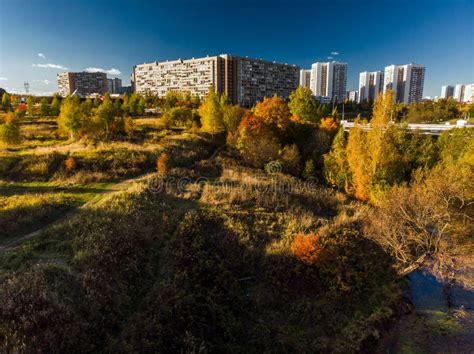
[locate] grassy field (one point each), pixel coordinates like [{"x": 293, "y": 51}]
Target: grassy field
[{"x": 201, "y": 258}]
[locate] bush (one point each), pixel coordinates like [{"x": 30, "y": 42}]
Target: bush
[
  {"x": 162, "y": 164},
  {"x": 39, "y": 312},
  {"x": 291, "y": 160},
  {"x": 178, "y": 117}
]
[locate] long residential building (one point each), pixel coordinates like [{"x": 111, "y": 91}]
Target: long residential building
[
  {"x": 82, "y": 83},
  {"x": 370, "y": 85},
  {"x": 329, "y": 80},
  {"x": 245, "y": 81},
  {"x": 406, "y": 82}
]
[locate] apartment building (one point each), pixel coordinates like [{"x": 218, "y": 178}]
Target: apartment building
[
  {"x": 370, "y": 85},
  {"x": 329, "y": 80},
  {"x": 447, "y": 91},
  {"x": 406, "y": 82},
  {"x": 83, "y": 83},
  {"x": 114, "y": 85},
  {"x": 305, "y": 78},
  {"x": 245, "y": 81},
  {"x": 353, "y": 96}
]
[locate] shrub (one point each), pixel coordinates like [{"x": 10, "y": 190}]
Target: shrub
[
  {"x": 179, "y": 117},
  {"x": 291, "y": 160},
  {"x": 307, "y": 248},
  {"x": 39, "y": 312},
  {"x": 162, "y": 164}
]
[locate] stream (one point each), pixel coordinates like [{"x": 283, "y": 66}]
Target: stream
[{"x": 442, "y": 320}]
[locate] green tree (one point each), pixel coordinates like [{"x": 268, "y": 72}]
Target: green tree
[
  {"x": 10, "y": 130},
  {"x": 105, "y": 118},
  {"x": 336, "y": 167},
  {"x": 232, "y": 116},
  {"x": 87, "y": 107},
  {"x": 6, "y": 102},
  {"x": 55, "y": 106},
  {"x": 97, "y": 102},
  {"x": 44, "y": 107},
  {"x": 178, "y": 116},
  {"x": 30, "y": 102},
  {"x": 71, "y": 116},
  {"x": 303, "y": 105},
  {"x": 212, "y": 119}
]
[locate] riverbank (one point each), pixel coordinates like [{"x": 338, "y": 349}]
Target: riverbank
[{"x": 442, "y": 320}]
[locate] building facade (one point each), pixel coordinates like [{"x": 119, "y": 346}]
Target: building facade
[
  {"x": 459, "y": 92},
  {"x": 305, "y": 78},
  {"x": 82, "y": 83},
  {"x": 370, "y": 85},
  {"x": 353, "y": 96},
  {"x": 406, "y": 82},
  {"x": 329, "y": 80},
  {"x": 447, "y": 91},
  {"x": 114, "y": 85},
  {"x": 245, "y": 81}
]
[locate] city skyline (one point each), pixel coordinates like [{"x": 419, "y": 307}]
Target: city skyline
[{"x": 116, "y": 36}]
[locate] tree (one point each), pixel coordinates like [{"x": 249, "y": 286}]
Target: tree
[
  {"x": 307, "y": 248},
  {"x": 162, "y": 164},
  {"x": 336, "y": 167},
  {"x": 358, "y": 162},
  {"x": 15, "y": 101},
  {"x": 55, "y": 106},
  {"x": 10, "y": 130},
  {"x": 6, "y": 102},
  {"x": 104, "y": 118},
  {"x": 178, "y": 116},
  {"x": 232, "y": 116},
  {"x": 304, "y": 105},
  {"x": 212, "y": 120},
  {"x": 274, "y": 112},
  {"x": 44, "y": 108},
  {"x": 133, "y": 103},
  {"x": 30, "y": 102},
  {"x": 291, "y": 160},
  {"x": 257, "y": 143},
  {"x": 70, "y": 119}
]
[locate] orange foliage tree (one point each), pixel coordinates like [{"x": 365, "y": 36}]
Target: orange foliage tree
[
  {"x": 329, "y": 125},
  {"x": 274, "y": 112},
  {"x": 307, "y": 248}
]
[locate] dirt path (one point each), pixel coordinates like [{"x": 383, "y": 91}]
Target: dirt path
[{"x": 114, "y": 188}]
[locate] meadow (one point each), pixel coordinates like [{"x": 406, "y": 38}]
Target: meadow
[{"x": 255, "y": 232}]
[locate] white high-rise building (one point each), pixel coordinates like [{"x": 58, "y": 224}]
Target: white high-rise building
[
  {"x": 370, "y": 85},
  {"x": 305, "y": 78},
  {"x": 459, "y": 92},
  {"x": 329, "y": 80},
  {"x": 468, "y": 93},
  {"x": 406, "y": 82},
  {"x": 447, "y": 91},
  {"x": 352, "y": 96}
]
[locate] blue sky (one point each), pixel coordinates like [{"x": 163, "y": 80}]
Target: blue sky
[{"x": 38, "y": 38}]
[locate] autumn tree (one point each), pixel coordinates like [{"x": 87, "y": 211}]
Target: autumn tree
[
  {"x": 179, "y": 117},
  {"x": 70, "y": 119},
  {"x": 44, "y": 108},
  {"x": 336, "y": 167},
  {"x": 212, "y": 120},
  {"x": 358, "y": 160},
  {"x": 30, "y": 102},
  {"x": 6, "y": 102},
  {"x": 257, "y": 143},
  {"x": 303, "y": 105},
  {"x": 10, "y": 130},
  {"x": 55, "y": 106},
  {"x": 232, "y": 115},
  {"x": 307, "y": 248},
  {"x": 104, "y": 118},
  {"x": 274, "y": 112}
]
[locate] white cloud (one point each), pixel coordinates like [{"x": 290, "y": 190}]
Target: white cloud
[
  {"x": 50, "y": 66},
  {"x": 334, "y": 53},
  {"x": 330, "y": 58},
  {"x": 41, "y": 55},
  {"x": 46, "y": 82},
  {"x": 3, "y": 79},
  {"x": 111, "y": 71}
]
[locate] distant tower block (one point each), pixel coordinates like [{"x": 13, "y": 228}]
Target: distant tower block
[{"x": 27, "y": 87}]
